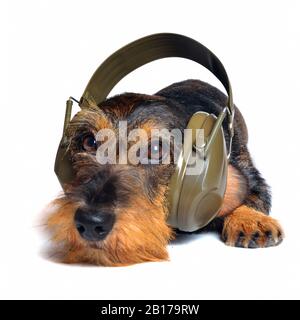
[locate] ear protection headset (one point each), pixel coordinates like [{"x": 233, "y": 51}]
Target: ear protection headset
[{"x": 194, "y": 200}]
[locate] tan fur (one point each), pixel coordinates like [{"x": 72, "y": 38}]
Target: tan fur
[
  {"x": 250, "y": 222},
  {"x": 138, "y": 235},
  {"x": 93, "y": 119},
  {"x": 235, "y": 191},
  {"x": 126, "y": 103}
]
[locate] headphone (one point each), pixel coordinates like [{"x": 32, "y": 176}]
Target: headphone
[{"x": 194, "y": 200}]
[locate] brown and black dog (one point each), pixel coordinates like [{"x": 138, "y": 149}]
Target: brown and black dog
[{"x": 126, "y": 205}]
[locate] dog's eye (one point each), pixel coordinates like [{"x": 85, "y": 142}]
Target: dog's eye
[
  {"x": 89, "y": 143},
  {"x": 155, "y": 151}
]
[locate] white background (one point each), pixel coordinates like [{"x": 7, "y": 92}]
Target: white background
[{"x": 49, "y": 50}]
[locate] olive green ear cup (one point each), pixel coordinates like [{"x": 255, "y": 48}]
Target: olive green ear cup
[
  {"x": 63, "y": 164},
  {"x": 195, "y": 199}
]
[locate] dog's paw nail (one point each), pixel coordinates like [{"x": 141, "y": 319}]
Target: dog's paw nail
[
  {"x": 268, "y": 234},
  {"x": 240, "y": 240},
  {"x": 269, "y": 239},
  {"x": 252, "y": 244},
  {"x": 255, "y": 236},
  {"x": 253, "y": 241}
]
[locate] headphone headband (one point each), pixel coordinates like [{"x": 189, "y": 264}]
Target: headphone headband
[{"x": 148, "y": 49}]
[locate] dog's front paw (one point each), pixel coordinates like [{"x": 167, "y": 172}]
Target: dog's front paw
[{"x": 247, "y": 228}]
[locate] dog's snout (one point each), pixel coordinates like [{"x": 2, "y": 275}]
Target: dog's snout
[{"x": 93, "y": 225}]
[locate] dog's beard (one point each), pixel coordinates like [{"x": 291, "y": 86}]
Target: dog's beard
[{"x": 140, "y": 234}]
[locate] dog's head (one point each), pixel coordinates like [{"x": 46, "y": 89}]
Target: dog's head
[{"x": 115, "y": 213}]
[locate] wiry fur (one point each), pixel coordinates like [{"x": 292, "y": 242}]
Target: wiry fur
[{"x": 137, "y": 195}]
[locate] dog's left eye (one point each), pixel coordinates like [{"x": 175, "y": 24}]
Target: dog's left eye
[
  {"x": 155, "y": 151},
  {"x": 89, "y": 143}
]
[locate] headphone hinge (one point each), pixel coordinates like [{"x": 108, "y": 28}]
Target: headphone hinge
[{"x": 230, "y": 113}]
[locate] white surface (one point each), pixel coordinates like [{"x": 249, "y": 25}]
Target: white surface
[{"x": 51, "y": 48}]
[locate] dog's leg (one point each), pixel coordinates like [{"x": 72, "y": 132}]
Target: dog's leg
[
  {"x": 249, "y": 228},
  {"x": 246, "y": 223}
]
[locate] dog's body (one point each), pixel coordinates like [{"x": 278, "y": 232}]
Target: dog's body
[{"x": 133, "y": 198}]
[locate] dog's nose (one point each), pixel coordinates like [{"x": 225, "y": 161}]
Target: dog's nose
[{"x": 93, "y": 225}]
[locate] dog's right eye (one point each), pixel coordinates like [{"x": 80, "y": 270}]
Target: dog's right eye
[{"x": 89, "y": 143}]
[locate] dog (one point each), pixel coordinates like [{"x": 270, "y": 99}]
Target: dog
[{"x": 116, "y": 214}]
